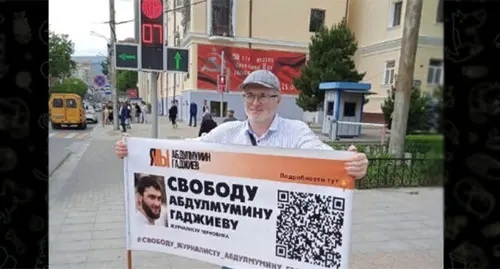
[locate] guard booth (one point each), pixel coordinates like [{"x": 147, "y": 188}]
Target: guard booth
[{"x": 343, "y": 103}]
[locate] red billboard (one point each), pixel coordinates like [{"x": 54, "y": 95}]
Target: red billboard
[
  {"x": 239, "y": 62},
  {"x": 132, "y": 93}
]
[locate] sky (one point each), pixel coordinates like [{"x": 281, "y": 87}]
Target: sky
[{"x": 78, "y": 18}]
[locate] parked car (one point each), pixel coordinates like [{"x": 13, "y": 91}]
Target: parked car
[{"x": 91, "y": 116}]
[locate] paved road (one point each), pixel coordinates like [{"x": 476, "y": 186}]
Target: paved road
[
  {"x": 392, "y": 228},
  {"x": 60, "y": 142}
]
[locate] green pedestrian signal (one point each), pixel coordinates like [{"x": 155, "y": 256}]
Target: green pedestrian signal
[
  {"x": 126, "y": 56},
  {"x": 177, "y": 60}
]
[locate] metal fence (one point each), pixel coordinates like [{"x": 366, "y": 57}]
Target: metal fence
[
  {"x": 402, "y": 172},
  {"x": 378, "y": 150}
]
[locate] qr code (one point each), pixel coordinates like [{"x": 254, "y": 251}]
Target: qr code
[{"x": 309, "y": 228}]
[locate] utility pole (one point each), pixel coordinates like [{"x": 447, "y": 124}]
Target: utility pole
[
  {"x": 174, "y": 40},
  {"x": 153, "y": 76},
  {"x": 222, "y": 67},
  {"x": 112, "y": 71},
  {"x": 404, "y": 80}
]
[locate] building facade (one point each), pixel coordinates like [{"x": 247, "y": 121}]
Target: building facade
[
  {"x": 236, "y": 28},
  {"x": 280, "y": 42},
  {"x": 378, "y": 27},
  {"x": 83, "y": 71}
]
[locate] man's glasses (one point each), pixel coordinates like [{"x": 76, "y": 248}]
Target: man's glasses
[{"x": 263, "y": 98}]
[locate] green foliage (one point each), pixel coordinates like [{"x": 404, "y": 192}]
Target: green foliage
[
  {"x": 70, "y": 85},
  {"x": 438, "y": 108},
  {"x": 126, "y": 79},
  {"x": 104, "y": 67},
  {"x": 430, "y": 145},
  {"x": 60, "y": 50},
  {"x": 419, "y": 115},
  {"x": 330, "y": 59}
]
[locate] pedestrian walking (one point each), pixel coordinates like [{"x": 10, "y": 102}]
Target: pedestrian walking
[
  {"x": 230, "y": 116},
  {"x": 129, "y": 116},
  {"x": 144, "y": 114},
  {"x": 207, "y": 124},
  {"x": 124, "y": 115},
  {"x": 193, "y": 112},
  {"x": 172, "y": 114},
  {"x": 205, "y": 107},
  {"x": 138, "y": 113},
  {"x": 105, "y": 116},
  {"x": 110, "y": 117}
]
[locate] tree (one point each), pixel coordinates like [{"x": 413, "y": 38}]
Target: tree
[
  {"x": 104, "y": 67},
  {"x": 437, "y": 109},
  {"x": 404, "y": 81},
  {"x": 126, "y": 79},
  {"x": 70, "y": 85},
  {"x": 330, "y": 59},
  {"x": 420, "y": 111},
  {"x": 60, "y": 50}
]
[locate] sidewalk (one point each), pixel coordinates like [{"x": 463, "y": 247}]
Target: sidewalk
[
  {"x": 391, "y": 228},
  {"x": 165, "y": 130}
]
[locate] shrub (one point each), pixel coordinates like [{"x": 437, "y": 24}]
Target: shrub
[
  {"x": 428, "y": 145},
  {"x": 419, "y": 114},
  {"x": 423, "y": 168}
]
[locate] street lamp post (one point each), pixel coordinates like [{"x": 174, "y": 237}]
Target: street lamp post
[{"x": 112, "y": 76}]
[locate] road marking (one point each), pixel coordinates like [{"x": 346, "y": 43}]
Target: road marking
[
  {"x": 71, "y": 135},
  {"x": 61, "y": 135},
  {"x": 82, "y": 136}
]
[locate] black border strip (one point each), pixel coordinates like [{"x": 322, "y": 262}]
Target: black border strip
[
  {"x": 23, "y": 134},
  {"x": 472, "y": 134}
]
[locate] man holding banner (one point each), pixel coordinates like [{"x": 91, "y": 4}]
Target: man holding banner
[{"x": 265, "y": 128}]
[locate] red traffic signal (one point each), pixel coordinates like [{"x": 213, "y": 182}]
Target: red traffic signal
[{"x": 222, "y": 80}]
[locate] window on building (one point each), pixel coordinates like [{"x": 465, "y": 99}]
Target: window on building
[
  {"x": 179, "y": 3},
  {"x": 316, "y": 19},
  {"x": 390, "y": 70},
  {"x": 329, "y": 108},
  {"x": 439, "y": 15},
  {"x": 435, "y": 72},
  {"x": 396, "y": 14},
  {"x": 222, "y": 20},
  {"x": 215, "y": 108},
  {"x": 57, "y": 103},
  {"x": 349, "y": 109}
]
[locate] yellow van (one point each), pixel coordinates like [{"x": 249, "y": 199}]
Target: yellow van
[{"x": 66, "y": 109}]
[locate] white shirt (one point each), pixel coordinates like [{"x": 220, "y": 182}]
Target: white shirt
[
  {"x": 283, "y": 133},
  {"x": 141, "y": 219}
]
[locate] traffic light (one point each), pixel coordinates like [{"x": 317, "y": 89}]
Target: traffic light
[
  {"x": 177, "y": 60},
  {"x": 152, "y": 39}
]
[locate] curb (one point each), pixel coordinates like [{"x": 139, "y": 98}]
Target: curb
[{"x": 61, "y": 162}]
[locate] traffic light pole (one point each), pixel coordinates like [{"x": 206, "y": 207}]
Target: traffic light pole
[
  {"x": 222, "y": 68},
  {"x": 153, "y": 76},
  {"x": 112, "y": 71},
  {"x": 175, "y": 45}
]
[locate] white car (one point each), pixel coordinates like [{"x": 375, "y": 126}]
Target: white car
[{"x": 91, "y": 116}]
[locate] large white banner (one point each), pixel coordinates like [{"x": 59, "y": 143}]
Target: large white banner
[{"x": 239, "y": 206}]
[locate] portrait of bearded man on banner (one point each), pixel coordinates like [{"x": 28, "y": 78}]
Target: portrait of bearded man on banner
[{"x": 150, "y": 200}]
